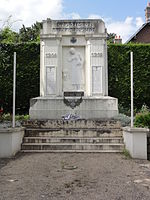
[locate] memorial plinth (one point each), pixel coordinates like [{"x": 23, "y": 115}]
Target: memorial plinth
[{"x": 73, "y": 71}]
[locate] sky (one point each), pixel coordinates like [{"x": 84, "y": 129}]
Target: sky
[{"x": 121, "y": 17}]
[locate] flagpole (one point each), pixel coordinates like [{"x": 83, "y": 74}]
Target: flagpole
[
  {"x": 131, "y": 57},
  {"x": 14, "y": 91}
]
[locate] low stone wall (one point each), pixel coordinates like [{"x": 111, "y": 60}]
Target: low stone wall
[
  {"x": 10, "y": 141},
  {"x": 135, "y": 140}
]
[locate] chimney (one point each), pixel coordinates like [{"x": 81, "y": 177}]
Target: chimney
[
  {"x": 147, "y": 12},
  {"x": 118, "y": 40}
]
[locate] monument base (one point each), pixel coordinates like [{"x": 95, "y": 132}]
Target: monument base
[{"x": 42, "y": 108}]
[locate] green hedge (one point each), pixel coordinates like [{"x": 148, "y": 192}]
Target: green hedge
[
  {"x": 119, "y": 74},
  {"x": 28, "y": 67},
  {"x": 27, "y": 73}
]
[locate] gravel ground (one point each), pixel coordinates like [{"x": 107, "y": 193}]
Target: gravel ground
[{"x": 74, "y": 177}]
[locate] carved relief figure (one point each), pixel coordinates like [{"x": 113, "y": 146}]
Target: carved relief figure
[{"x": 76, "y": 69}]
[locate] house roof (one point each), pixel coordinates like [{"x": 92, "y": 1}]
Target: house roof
[{"x": 137, "y": 32}]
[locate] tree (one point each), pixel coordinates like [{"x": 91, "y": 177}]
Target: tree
[
  {"x": 8, "y": 36},
  {"x": 26, "y": 34},
  {"x": 8, "y": 22},
  {"x": 111, "y": 37},
  {"x": 30, "y": 34}
]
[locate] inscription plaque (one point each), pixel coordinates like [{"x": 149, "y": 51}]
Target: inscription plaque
[
  {"x": 50, "y": 80},
  {"x": 74, "y": 94},
  {"x": 97, "y": 79},
  {"x": 96, "y": 54},
  {"x": 77, "y": 27},
  {"x": 51, "y": 55}
]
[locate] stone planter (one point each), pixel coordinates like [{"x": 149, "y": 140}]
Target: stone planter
[
  {"x": 10, "y": 141},
  {"x": 136, "y": 141}
]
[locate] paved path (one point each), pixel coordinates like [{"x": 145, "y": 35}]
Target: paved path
[{"x": 74, "y": 177}]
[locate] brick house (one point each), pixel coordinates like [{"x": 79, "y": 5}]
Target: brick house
[{"x": 143, "y": 34}]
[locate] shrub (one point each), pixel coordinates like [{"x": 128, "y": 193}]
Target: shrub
[
  {"x": 142, "y": 119},
  {"x": 22, "y": 117},
  {"x": 8, "y": 117},
  {"x": 124, "y": 119},
  {"x": 126, "y": 153}
]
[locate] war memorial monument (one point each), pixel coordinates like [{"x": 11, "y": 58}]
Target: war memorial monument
[{"x": 73, "y": 71}]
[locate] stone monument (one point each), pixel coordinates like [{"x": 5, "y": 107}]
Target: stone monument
[{"x": 73, "y": 71}]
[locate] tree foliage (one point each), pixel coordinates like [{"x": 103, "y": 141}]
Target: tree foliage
[
  {"x": 8, "y": 36},
  {"x": 30, "y": 34},
  {"x": 26, "y": 34},
  {"x": 110, "y": 38}
]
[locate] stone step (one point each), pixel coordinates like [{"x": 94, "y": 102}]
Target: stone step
[
  {"x": 73, "y": 136},
  {"x": 72, "y": 132},
  {"x": 72, "y": 140},
  {"x": 80, "y": 123},
  {"x": 68, "y": 146},
  {"x": 72, "y": 151}
]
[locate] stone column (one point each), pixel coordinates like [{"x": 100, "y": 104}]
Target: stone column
[
  {"x": 88, "y": 69},
  {"x": 59, "y": 69}
]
